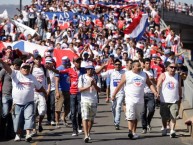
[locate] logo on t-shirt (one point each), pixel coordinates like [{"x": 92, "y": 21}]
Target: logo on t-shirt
[
  {"x": 170, "y": 85},
  {"x": 116, "y": 82},
  {"x": 137, "y": 81}
]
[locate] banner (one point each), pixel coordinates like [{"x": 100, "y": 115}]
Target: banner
[
  {"x": 68, "y": 16},
  {"x": 65, "y": 17}
]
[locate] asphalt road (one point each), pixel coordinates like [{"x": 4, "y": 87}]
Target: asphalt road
[{"x": 103, "y": 132}]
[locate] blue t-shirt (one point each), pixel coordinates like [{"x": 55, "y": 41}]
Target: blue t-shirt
[{"x": 64, "y": 84}]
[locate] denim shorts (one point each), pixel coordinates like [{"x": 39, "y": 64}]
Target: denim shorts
[
  {"x": 23, "y": 116},
  {"x": 6, "y": 105},
  {"x": 88, "y": 110}
]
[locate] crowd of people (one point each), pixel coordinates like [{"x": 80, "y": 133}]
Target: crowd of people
[
  {"x": 134, "y": 73},
  {"x": 179, "y": 7}
]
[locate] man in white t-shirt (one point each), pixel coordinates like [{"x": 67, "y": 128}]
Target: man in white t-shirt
[
  {"x": 89, "y": 86},
  {"x": 115, "y": 78},
  {"x": 134, "y": 81},
  {"x": 149, "y": 100},
  {"x": 23, "y": 84},
  {"x": 42, "y": 76}
]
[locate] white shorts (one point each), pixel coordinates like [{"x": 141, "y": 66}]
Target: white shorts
[
  {"x": 133, "y": 111},
  {"x": 40, "y": 104}
]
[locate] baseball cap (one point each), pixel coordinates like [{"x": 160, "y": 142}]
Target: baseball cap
[
  {"x": 179, "y": 61},
  {"x": 37, "y": 56},
  {"x": 47, "y": 54},
  {"x": 25, "y": 64},
  {"x": 49, "y": 60},
  {"x": 111, "y": 55},
  {"x": 167, "y": 51},
  {"x": 65, "y": 60},
  {"x": 154, "y": 56},
  {"x": 89, "y": 67},
  {"x": 50, "y": 48}
]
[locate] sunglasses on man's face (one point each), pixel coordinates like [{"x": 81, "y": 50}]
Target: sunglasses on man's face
[{"x": 173, "y": 67}]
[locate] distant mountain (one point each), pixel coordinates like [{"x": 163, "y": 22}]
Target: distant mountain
[{"x": 11, "y": 9}]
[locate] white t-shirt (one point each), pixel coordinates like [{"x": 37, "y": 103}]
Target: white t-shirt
[
  {"x": 40, "y": 76},
  {"x": 134, "y": 87},
  {"x": 23, "y": 87},
  {"x": 89, "y": 95},
  {"x": 115, "y": 78},
  {"x": 151, "y": 73},
  {"x": 52, "y": 80}
]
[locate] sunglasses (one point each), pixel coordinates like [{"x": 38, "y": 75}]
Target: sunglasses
[
  {"x": 117, "y": 64},
  {"x": 173, "y": 67},
  {"x": 26, "y": 67}
]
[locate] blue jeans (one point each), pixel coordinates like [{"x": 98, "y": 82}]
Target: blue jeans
[
  {"x": 116, "y": 109},
  {"x": 149, "y": 104},
  {"x": 75, "y": 108},
  {"x": 51, "y": 106},
  {"x": 23, "y": 115},
  {"x": 6, "y": 105}
]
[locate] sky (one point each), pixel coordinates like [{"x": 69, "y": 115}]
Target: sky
[
  {"x": 14, "y": 2},
  {"x": 25, "y": 2}
]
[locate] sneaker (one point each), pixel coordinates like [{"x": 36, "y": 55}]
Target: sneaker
[
  {"x": 117, "y": 127},
  {"x": 57, "y": 126},
  {"x": 33, "y": 133},
  {"x": 74, "y": 133},
  {"x": 86, "y": 139},
  {"x": 172, "y": 134},
  {"x": 135, "y": 136},
  {"x": 80, "y": 131},
  {"x": 17, "y": 137},
  {"x": 66, "y": 124},
  {"x": 40, "y": 128},
  {"x": 53, "y": 123},
  {"x": 149, "y": 128},
  {"x": 28, "y": 138},
  {"x": 144, "y": 131},
  {"x": 130, "y": 134},
  {"x": 89, "y": 137},
  {"x": 162, "y": 128},
  {"x": 164, "y": 132}
]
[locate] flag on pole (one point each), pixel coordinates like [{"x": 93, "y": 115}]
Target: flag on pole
[
  {"x": 137, "y": 28},
  {"x": 4, "y": 15}
]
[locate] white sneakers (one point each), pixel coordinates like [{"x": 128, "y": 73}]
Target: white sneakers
[
  {"x": 135, "y": 136},
  {"x": 172, "y": 134},
  {"x": 17, "y": 137},
  {"x": 53, "y": 123}
]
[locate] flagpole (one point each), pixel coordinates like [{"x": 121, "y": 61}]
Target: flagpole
[{"x": 20, "y": 6}]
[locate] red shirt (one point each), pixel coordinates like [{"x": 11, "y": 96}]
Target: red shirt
[
  {"x": 159, "y": 68},
  {"x": 99, "y": 23},
  {"x": 74, "y": 75}
]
